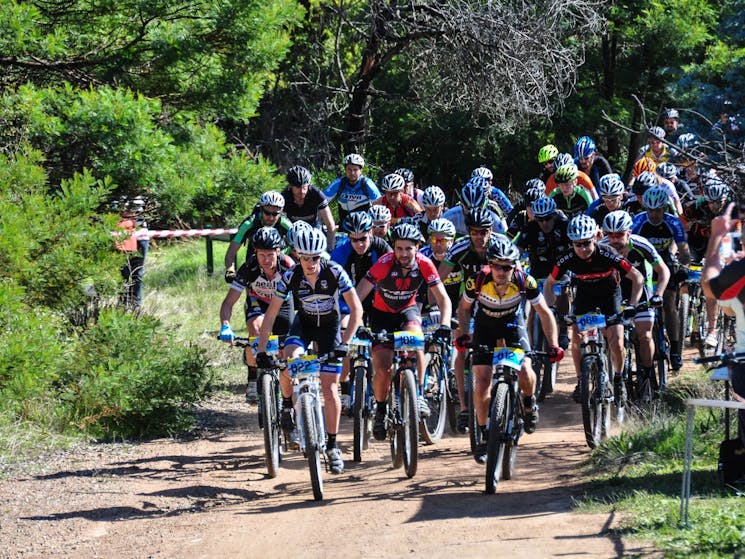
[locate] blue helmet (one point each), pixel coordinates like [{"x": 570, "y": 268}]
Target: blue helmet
[{"x": 584, "y": 147}]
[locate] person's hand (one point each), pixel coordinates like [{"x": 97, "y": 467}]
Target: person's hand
[
  {"x": 264, "y": 361},
  {"x": 229, "y": 275},
  {"x": 461, "y": 342},
  {"x": 444, "y": 334},
  {"x": 723, "y": 224},
  {"x": 226, "y": 333},
  {"x": 656, "y": 301},
  {"x": 555, "y": 354},
  {"x": 363, "y": 333},
  {"x": 341, "y": 350},
  {"x": 628, "y": 312}
]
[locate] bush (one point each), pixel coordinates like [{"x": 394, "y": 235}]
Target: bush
[{"x": 126, "y": 379}]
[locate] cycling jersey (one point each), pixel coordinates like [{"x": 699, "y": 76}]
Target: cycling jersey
[
  {"x": 598, "y": 211},
  {"x": 396, "y": 288},
  {"x": 600, "y": 167},
  {"x": 576, "y": 203},
  {"x": 357, "y": 265},
  {"x": 253, "y": 223},
  {"x": 597, "y": 278},
  {"x": 518, "y": 224},
  {"x": 496, "y": 195},
  {"x": 700, "y": 216},
  {"x": 352, "y": 197},
  {"x": 315, "y": 302},
  {"x": 260, "y": 289},
  {"x": 544, "y": 248},
  {"x": 643, "y": 256},
  {"x": 456, "y": 216},
  {"x": 462, "y": 258},
  {"x": 662, "y": 235},
  {"x": 646, "y": 151},
  {"x": 729, "y": 288},
  {"x": 313, "y": 203},
  {"x": 408, "y": 207},
  {"x": 583, "y": 180},
  {"x": 451, "y": 283}
]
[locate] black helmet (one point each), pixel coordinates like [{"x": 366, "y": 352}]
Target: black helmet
[
  {"x": 479, "y": 217},
  {"x": 407, "y": 174},
  {"x": 298, "y": 176},
  {"x": 267, "y": 238},
  {"x": 406, "y": 232}
]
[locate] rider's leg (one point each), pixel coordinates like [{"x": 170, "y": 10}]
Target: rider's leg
[
  {"x": 712, "y": 311},
  {"x": 615, "y": 343},
  {"x": 285, "y": 381},
  {"x": 382, "y": 360},
  {"x": 526, "y": 378},
  {"x": 670, "y": 317},
  {"x": 483, "y": 376},
  {"x": 643, "y": 327},
  {"x": 331, "y": 402},
  {"x": 460, "y": 378}
]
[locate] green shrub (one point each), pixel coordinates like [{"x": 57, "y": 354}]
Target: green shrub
[{"x": 126, "y": 378}]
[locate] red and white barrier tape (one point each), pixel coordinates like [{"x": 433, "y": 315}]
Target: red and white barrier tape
[{"x": 173, "y": 233}]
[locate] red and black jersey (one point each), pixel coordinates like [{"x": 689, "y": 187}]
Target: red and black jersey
[
  {"x": 395, "y": 287},
  {"x": 599, "y": 274}
]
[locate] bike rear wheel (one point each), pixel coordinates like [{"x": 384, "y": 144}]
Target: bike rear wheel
[
  {"x": 660, "y": 358},
  {"x": 362, "y": 413},
  {"x": 495, "y": 446},
  {"x": 685, "y": 318},
  {"x": 394, "y": 423},
  {"x": 270, "y": 422},
  {"x": 410, "y": 418},
  {"x": 435, "y": 391},
  {"x": 312, "y": 448}
]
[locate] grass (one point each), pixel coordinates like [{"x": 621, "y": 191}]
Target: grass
[{"x": 638, "y": 475}]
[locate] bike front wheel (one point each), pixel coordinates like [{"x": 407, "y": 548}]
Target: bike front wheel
[
  {"x": 410, "y": 418},
  {"x": 270, "y": 422},
  {"x": 591, "y": 400},
  {"x": 435, "y": 391},
  {"x": 312, "y": 448},
  {"x": 362, "y": 413},
  {"x": 495, "y": 446}
]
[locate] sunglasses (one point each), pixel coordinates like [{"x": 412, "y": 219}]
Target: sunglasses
[
  {"x": 305, "y": 258},
  {"x": 273, "y": 214},
  {"x": 502, "y": 267},
  {"x": 358, "y": 239},
  {"x": 582, "y": 244},
  {"x": 544, "y": 217},
  {"x": 479, "y": 232},
  {"x": 611, "y": 198},
  {"x": 618, "y": 235},
  {"x": 380, "y": 226}
]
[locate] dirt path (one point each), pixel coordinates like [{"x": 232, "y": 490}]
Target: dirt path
[{"x": 210, "y": 497}]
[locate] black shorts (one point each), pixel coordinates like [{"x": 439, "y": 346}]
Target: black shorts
[
  {"x": 281, "y": 323},
  {"x": 302, "y": 332},
  {"x": 586, "y": 302},
  {"x": 393, "y": 322},
  {"x": 486, "y": 331}
]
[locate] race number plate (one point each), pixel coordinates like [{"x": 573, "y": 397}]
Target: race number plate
[
  {"x": 408, "y": 340},
  {"x": 590, "y": 321},
  {"x": 508, "y": 357},
  {"x": 272, "y": 346},
  {"x": 304, "y": 366},
  {"x": 694, "y": 274}
]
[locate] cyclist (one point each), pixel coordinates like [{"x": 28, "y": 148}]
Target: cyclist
[
  {"x": 611, "y": 190},
  {"x": 669, "y": 171},
  {"x": 666, "y": 233},
  {"x": 499, "y": 292},
  {"x": 569, "y": 198},
  {"x": 545, "y": 240},
  {"x": 671, "y": 124},
  {"x": 521, "y": 218},
  {"x": 468, "y": 256},
  {"x": 473, "y": 195},
  {"x": 589, "y": 161},
  {"x": 546, "y": 160},
  {"x": 597, "y": 270},
  {"x": 409, "y": 188},
  {"x": 258, "y": 276},
  {"x": 655, "y": 149},
  {"x": 305, "y": 202},
  {"x": 315, "y": 284},
  {"x": 354, "y": 190},
  {"x": 268, "y": 213},
  {"x": 433, "y": 201},
  {"x": 397, "y": 277},
  {"x": 400, "y": 204},
  {"x": 494, "y": 195},
  {"x": 441, "y": 234},
  {"x": 381, "y": 217},
  {"x": 356, "y": 253},
  {"x": 644, "y": 257},
  {"x": 582, "y": 178}
]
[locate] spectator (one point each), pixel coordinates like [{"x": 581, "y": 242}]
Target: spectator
[{"x": 135, "y": 250}]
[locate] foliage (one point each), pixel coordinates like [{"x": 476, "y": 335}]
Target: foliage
[
  {"x": 210, "y": 57},
  {"x": 126, "y": 379}
]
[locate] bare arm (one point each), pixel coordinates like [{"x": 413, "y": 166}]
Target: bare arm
[
  {"x": 268, "y": 323},
  {"x": 548, "y": 323},
  {"x": 720, "y": 226},
  {"x": 637, "y": 285},
  {"x": 355, "y": 314},
  {"x": 663, "y": 276},
  {"x": 548, "y": 290},
  {"x": 328, "y": 220},
  {"x": 364, "y": 288},
  {"x": 443, "y": 302},
  {"x": 226, "y": 309},
  {"x": 464, "y": 316},
  {"x": 444, "y": 270},
  {"x": 231, "y": 254}
]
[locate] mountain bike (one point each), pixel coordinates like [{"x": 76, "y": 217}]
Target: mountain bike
[
  {"x": 363, "y": 399},
  {"x": 596, "y": 388},
  {"x": 402, "y": 413},
  {"x": 435, "y": 388},
  {"x": 305, "y": 371},
  {"x": 643, "y": 388},
  {"x": 270, "y": 404},
  {"x": 506, "y": 412}
]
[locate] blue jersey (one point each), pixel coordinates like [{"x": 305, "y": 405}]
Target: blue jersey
[
  {"x": 501, "y": 199},
  {"x": 352, "y": 197},
  {"x": 661, "y": 235}
]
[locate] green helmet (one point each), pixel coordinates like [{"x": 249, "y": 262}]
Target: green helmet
[{"x": 547, "y": 153}]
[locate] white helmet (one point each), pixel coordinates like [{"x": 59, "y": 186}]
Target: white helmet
[
  {"x": 582, "y": 227},
  {"x": 442, "y": 226},
  {"x": 611, "y": 185},
  {"x": 380, "y": 214},
  {"x": 483, "y": 172},
  {"x": 392, "y": 183},
  {"x": 354, "y": 159},
  {"x": 617, "y": 222},
  {"x": 272, "y": 198},
  {"x": 292, "y": 232},
  {"x": 310, "y": 242},
  {"x": 433, "y": 196}
]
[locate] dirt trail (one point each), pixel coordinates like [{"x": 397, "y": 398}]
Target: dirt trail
[{"x": 210, "y": 497}]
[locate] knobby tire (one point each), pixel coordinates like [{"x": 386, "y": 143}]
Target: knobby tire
[
  {"x": 495, "y": 444},
  {"x": 410, "y": 417},
  {"x": 432, "y": 427},
  {"x": 362, "y": 413},
  {"x": 312, "y": 449},
  {"x": 270, "y": 421}
]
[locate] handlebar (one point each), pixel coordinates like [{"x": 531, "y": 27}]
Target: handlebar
[{"x": 726, "y": 358}]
